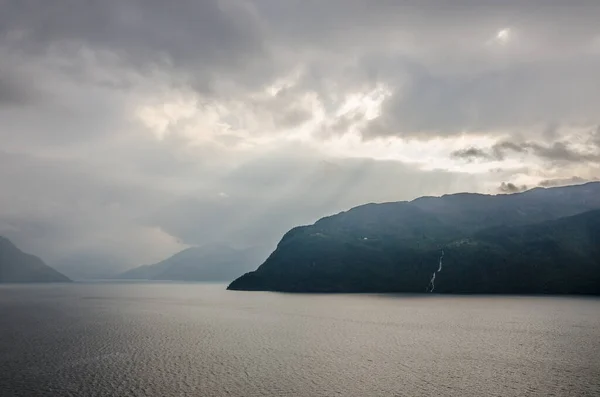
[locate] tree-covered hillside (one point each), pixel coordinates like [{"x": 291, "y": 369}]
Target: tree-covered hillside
[{"x": 522, "y": 243}]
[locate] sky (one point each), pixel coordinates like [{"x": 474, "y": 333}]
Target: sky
[{"x": 132, "y": 129}]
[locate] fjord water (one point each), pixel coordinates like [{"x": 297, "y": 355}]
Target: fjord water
[{"x": 176, "y": 339}]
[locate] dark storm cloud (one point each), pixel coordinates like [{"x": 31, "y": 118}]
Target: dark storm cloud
[
  {"x": 499, "y": 149},
  {"x": 511, "y": 188},
  {"x": 215, "y": 31},
  {"x": 561, "y": 152},
  {"x": 440, "y": 62},
  {"x": 557, "y": 152},
  {"x": 443, "y": 76},
  {"x": 197, "y": 43},
  {"x": 519, "y": 95},
  {"x": 574, "y": 180},
  {"x": 343, "y": 21},
  {"x": 446, "y": 69},
  {"x": 470, "y": 154}
]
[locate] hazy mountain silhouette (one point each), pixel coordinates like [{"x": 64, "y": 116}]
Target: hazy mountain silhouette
[
  {"x": 205, "y": 263},
  {"x": 539, "y": 241},
  {"x": 17, "y": 266}
]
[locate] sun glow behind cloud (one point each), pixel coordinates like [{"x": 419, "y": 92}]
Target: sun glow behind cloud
[
  {"x": 502, "y": 37},
  {"x": 427, "y": 155},
  {"x": 240, "y": 127},
  {"x": 183, "y": 115},
  {"x": 365, "y": 103},
  {"x": 253, "y": 121}
]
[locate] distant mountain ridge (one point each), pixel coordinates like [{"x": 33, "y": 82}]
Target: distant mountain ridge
[
  {"x": 17, "y": 266},
  {"x": 473, "y": 211},
  {"x": 515, "y": 243},
  {"x": 205, "y": 263}
]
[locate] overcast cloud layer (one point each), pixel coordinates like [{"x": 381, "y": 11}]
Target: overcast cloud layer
[{"x": 131, "y": 129}]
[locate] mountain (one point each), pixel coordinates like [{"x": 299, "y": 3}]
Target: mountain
[
  {"x": 205, "y": 263},
  {"x": 473, "y": 212},
  {"x": 539, "y": 241},
  {"x": 19, "y": 267}
]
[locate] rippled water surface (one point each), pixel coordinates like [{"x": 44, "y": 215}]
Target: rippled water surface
[{"x": 200, "y": 340}]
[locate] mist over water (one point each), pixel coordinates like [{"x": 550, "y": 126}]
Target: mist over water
[{"x": 174, "y": 339}]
